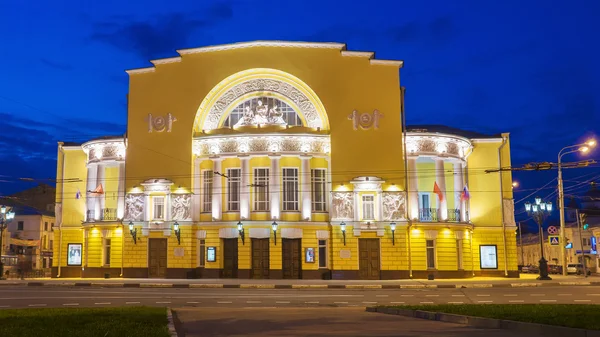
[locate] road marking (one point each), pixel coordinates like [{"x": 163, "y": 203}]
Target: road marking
[
  {"x": 370, "y": 302},
  {"x": 382, "y": 295},
  {"x": 37, "y": 305},
  {"x": 314, "y": 302},
  {"x": 407, "y": 295},
  {"x": 163, "y": 302},
  {"x": 250, "y": 302},
  {"x": 510, "y": 295},
  {"x": 485, "y": 301},
  {"x": 102, "y": 303},
  {"x": 483, "y": 295},
  {"x": 340, "y": 302},
  {"x": 432, "y": 295},
  {"x": 192, "y": 302},
  {"x": 516, "y": 301},
  {"x": 397, "y": 302},
  {"x": 538, "y": 294},
  {"x": 132, "y": 302},
  {"x": 458, "y": 295},
  {"x": 547, "y": 300},
  {"x": 592, "y": 294},
  {"x": 565, "y": 295},
  {"x": 70, "y": 304},
  {"x": 456, "y": 302},
  {"x": 282, "y": 302},
  {"x": 582, "y": 300},
  {"x": 4, "y": 306},
  {"x": 426, "y": 302},
  {"x": 224, "y": 302}
]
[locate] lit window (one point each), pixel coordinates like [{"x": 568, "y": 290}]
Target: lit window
[
  {"x": 261, "y": 189},
  {"x": 318, "y": 190},
  {"x": 106, "y": 252},
  {"x": 233, "y": 189},
  {"x": 207, "y": 190},
  {"x": 159, "y": 208},
  {"x": 322, "y": 253},
  {"x": 430, "y": 246},
  {"x": 368, "y": 207},
  {"x": 290, "y": 189},
  {"x": 202, "y": 252}
]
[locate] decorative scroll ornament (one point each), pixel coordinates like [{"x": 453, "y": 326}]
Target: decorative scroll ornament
[
  {"x": 365, "y": 120},
  {"x": 134, "y": 207},
  {"x": 343, "y": 206},
  {"x": 394, "y": 206},
  {"x": 160, "y": 123},
  {"x": 261, "y": 115},
  {"x": 180, "y": 207}
]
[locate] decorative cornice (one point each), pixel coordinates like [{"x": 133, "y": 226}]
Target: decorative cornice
[
  {"x": 234, "y": 145},
  {"x": 367, "y": 54},
  {"x": 166, "y": 60},
  {"x": 486, "y": 140},
  {"x": 239, "y": 45},
  {"x": 394, "y": 63},
  {"x": 140, "y": 70}
]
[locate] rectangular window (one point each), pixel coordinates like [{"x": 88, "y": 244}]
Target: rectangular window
[
  {"x": 290, "y": 189},
  {"x": 207, "y": 190},
  {"x": 430, "y": 244},
  {"x": 106, "y": 252},
  {"x": 322, "y": 253},
  {"x": 459, "y": 253},
  {"x": 52, "y": 244},
  {"x": 261, "y": 189},
  {"x": 46, "y": 226},
  {"x": 368, "y": 207},
  {"x": 20, "y": 225},
  {"x": 201, "y": 252},
  {"x": 318, "y": 180},
  {"x": 52, "y": 226},
  {"x": 159, "y": 208},
  {"x": 234, "y": 176}
]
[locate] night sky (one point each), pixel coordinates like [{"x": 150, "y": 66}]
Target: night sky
[{"x": 525, "y": 67}]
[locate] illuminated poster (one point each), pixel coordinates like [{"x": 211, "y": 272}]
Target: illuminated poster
[
  {"x": 74, "y": 254},
  {"x": 310, "y": 255},
  {"x": 211, "y": 254},
  {"x": 488, "y": 255}
]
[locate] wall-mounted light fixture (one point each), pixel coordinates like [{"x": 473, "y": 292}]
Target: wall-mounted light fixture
[
  {"x": 343, "y": 228},
  {"x": 274, "y": 227},
  {"x": 240, "y": 226},
  {"x": 177, "y": 232},
  {"x": 393, "y": 228},
  {"x": 133, "y": 232}
]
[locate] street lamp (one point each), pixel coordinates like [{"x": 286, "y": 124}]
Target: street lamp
[
  {"x": 177, "y": 232},
  {"x": 6, "y": 216},
  {"x": 343, "y": 228},
  {"x": 274, "y": 227},
  {"x": 585, "y": 147},
  {"x": 240, "y": 227},
  {"x": 539, "y": 211},
  {"x": 393, "y": 228},
  {"x": 133, "y": 232}
]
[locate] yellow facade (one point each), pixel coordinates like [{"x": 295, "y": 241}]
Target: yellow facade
[{"x": 286, "y": 160}]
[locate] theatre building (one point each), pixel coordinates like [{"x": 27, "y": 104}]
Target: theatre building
[{"x": 281, "y": 160}]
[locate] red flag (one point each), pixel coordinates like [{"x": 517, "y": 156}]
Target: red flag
[
  {"x": 436, "y": 190},
  {"x": 98, "y": 190}
]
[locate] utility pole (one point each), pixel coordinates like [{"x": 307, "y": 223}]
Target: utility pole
[{"x": 521, "y": 241}]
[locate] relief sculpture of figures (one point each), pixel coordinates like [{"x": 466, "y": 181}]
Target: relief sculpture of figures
[
  {"x": 343, "y": 205},
  {"x": 134, "y": 207},
  {"x": 394, "y": 206},
  {"x": 262, "y": 115},
  {"x": 181, "y": 207}
]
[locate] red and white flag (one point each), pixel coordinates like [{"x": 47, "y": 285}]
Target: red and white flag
[{"x": 436, "y": 190}]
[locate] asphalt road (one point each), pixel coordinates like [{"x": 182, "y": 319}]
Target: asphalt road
[{"x": 28, "y": 297}]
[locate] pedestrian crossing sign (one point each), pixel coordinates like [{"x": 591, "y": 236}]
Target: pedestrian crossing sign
[{"x": 553, "y": 240}]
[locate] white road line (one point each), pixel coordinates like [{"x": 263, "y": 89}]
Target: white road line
[
  {"x": 592, "y": 294},
  {"x": 582, "y": 300},
  {"x": 314, "y": 302},
  {"x": 37, "y": 305},
  {"x": 102, "y": 303},
  {"x": 340, "y": 302},
  {"x": 407, "y": 295},
  {"x": 4, "y": 306},
  {"x": 485, "y": 301},
  {"x": 510, "y": 295},
  {"x": 458, "y": 295},
  {"x": 456, "y": 302},
  {"x": 223, "y": 302},
  {"x": 565, "y": 295},
  {"x": 397, "y": 302},
  {"x": 547, "y": 300},
  {"x": 250, "y": 302},
  {"x": 483, "y": 295},
  {"x": 282, "y": 302},
  {"x": 432, "y": 295},
  {"x": 163, "y": 302},
  {"x": 370, "y": 302},
  {"x": 382, "y": 295},
  {"x": 132, "y": 302},
  {"x": 70, "y": 304},
  {"x": 537, "y": 294},
  {"x": 516, "y": 301},
  {"x": 426, "y": 302},
  {"x": 192, "y": 302}
]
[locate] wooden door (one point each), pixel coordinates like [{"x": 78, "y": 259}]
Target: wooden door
[
  {"x": 291, "y": 258},
  {"x": 260, "y": 258},
  {"x": 368, "y": 263},
  {"x": 157, "y": 258},
  {"x": 230, "y": 258}
]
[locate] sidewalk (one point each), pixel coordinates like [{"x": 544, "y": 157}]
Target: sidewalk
[{"x": 526, "y": 280}]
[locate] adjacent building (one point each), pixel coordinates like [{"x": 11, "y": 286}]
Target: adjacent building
[{"x": 277, "y": 160}]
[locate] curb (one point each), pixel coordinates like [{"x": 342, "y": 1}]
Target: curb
[
  {"x": 171, "y": 324},
  {"x": 490, "y": 323}
]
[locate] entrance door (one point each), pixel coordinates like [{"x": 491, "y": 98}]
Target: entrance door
[
  {"x": 157, "y": 258},
  {"x": 368, "y": 263},
  {"x": 291, "y": 258},
  {"x": 230, "y": 258},
  {"x": 260, "y": 258}
]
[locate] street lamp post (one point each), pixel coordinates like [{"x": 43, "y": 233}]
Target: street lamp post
[
  {"x": 583, "y": 148},
  {"x": 539, "y": 211},
  {"x": 6, "y": 216}
]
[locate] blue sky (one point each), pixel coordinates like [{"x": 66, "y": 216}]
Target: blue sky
[{"x": 525, "y": 67}]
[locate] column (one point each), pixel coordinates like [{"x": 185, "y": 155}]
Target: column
[
  {"x": 217, "y": 195},
  {"x": 100, "y": 201},
  {"x": 306, "y": 188},
  {"x": 458, "y": 188},
  {"x": 413, "y": 188},
  {"x": 168, "y": 206},
  {"x": 275, "y": 187},
  {"x": 92, "y": 174},
  {"x": 196, "y": 206},
  {"x": 245, "y": 188},
  {"x": 147, "y": 209},
  {"x": 440, "y": 177},
  {"x": 121, "y": 192}
]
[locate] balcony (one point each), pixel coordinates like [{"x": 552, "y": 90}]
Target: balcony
[
  {"x": 428, "y": 214},
  {"x": 106, "y": 214},
  {"x": 433, "y": 215}
]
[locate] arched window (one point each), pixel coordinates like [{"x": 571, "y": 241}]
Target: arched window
[{"x": 263, "y": 111}]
